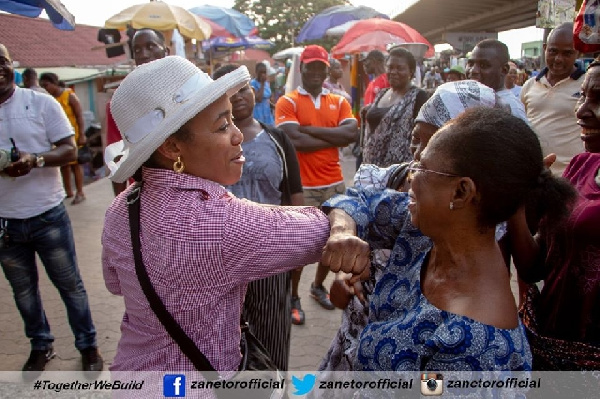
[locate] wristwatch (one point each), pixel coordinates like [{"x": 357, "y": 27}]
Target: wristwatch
[{"x": 39, "y": 161}]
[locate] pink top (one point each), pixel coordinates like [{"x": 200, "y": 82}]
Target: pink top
[
  {"x": 201, "y": 246},
  {"x": 569, "y": 302}
]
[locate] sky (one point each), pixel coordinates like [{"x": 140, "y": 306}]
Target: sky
[{"x": 95, "y": 13}]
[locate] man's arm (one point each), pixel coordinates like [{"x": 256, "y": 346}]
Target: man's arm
[
  {"x": 303, "y": 141},
  {"x": 339, "y": 136},
  {"x": 64, "y": 152}
]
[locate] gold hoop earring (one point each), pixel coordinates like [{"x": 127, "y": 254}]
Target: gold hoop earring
[{"x": 178, "y": 165}]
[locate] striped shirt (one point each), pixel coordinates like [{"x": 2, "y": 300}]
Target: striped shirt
[{"x": 201, "y": 246}]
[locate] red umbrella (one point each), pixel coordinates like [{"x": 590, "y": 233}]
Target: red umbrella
[{"x": 377, "y": 34}]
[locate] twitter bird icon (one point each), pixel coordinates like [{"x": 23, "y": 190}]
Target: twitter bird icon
[{"x": 305, "y": 385}]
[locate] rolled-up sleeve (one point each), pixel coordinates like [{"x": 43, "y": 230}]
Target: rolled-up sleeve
[{"x": 380, "y": 215}]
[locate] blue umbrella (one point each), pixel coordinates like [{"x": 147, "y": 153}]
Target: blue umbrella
[
  {"x": 225, "y": 44},
  {"x": 333, "y": 16},
  {"x": 59, "y": 15},
  {"x": 234, "y": 21}
]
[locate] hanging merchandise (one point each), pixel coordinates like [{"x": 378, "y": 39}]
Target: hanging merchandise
[{"x": 586, "y": 31}]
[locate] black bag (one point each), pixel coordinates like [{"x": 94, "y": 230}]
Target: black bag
[
  {"x": 84, "y": 155},
  {"x": 255, "y": 356}
]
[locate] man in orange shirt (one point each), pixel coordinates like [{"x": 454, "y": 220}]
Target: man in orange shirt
[{"x": 317, "y": 122}]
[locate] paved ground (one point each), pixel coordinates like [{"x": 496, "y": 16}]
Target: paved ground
[{"x": 309, "y": 342}]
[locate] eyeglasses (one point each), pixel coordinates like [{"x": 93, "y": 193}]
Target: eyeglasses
[{"x": 415, "y": 168}]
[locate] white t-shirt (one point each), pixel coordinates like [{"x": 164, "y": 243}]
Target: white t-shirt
[
  {"x": 35, "y": 121},
  {"x": 517, "y": 108}
]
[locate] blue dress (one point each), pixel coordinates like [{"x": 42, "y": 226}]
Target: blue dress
[
  {"x": 262, "y": 110},
  {"x": 405, "y": 332}
]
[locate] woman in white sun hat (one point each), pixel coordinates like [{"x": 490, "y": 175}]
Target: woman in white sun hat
[{"x": 199, "y": 244}]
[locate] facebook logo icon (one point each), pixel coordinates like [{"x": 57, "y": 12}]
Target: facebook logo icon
[{"x": 174, "y": 385}]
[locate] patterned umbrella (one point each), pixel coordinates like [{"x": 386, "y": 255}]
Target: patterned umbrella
[
  {"x": 377, "y": 34},
  {"x": 236, "y": 23},
  {"x": 161, "y": 16},
  {"x": 61, "y": 18},
  {"x": 316, "y": 27},
  {"x": 225, "y": 44}
]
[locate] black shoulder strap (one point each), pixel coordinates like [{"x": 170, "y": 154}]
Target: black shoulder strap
[{"x": 185, "y": 343}]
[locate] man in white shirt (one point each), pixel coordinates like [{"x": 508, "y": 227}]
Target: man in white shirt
[
  {"x": 33, "y": 219},
  {"x": 488, "y": 64},
  {"x": 550, "y": 98}
]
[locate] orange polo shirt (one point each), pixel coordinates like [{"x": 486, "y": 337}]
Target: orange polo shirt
[{"x": 321, "y": 168}]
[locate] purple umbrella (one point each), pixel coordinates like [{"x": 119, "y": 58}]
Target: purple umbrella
[
  {"x": 225, "y": 44},
  {"x": 61, "y": 18},
  {"x": 333, "y": 16}
]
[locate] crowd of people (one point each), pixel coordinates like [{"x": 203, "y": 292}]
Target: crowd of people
[{"x": 454, "y": 187}]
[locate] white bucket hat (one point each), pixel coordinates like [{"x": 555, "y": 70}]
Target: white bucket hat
[{"x": 154, "y": 101}]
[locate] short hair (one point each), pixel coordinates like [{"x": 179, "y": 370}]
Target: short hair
[
  {"x": 260, "y": 65},
  {"x": 501, "y": 48},
  {"x": 594, "y": 63},
  {"x": 224, "y": 70},
  {"x": 29, "y": 73},
  {"x": 564, "y": 27},
  {"x": 503, "y": 156},
  {"x": 159, "y": 34},
  {"x": 334, "y": 61},
  {"x": 407, "y": 55},
  {"x": 50, "y": 77},
  {"x": 375, "y": 55}
]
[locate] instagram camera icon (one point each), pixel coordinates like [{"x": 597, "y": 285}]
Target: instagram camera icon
[{"x": 432, "y": 384}]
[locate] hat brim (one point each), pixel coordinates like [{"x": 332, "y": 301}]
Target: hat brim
[
  {"x": 133, "y": 157},
  {"x": 309, "y": 60}
]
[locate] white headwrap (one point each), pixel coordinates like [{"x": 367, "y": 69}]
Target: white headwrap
[{"x": 453, "y": 98}]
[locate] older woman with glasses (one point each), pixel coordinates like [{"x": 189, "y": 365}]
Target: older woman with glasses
[
  {"x": 444, "y": 300},
  {"x": 448, "y": 101}
]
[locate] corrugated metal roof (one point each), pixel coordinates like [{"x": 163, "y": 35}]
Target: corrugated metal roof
[
  {"x": 34, "y": 42},
  {"x": 434, "y": 17}
]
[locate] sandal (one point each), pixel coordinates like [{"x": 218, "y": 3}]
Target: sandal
[{"x": 79, "y": 198}]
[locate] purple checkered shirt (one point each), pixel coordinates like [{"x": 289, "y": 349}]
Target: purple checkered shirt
[{"x": 201, "y": 246}]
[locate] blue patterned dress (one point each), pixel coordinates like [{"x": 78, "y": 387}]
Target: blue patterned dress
[{"x": 405, "y": 331}]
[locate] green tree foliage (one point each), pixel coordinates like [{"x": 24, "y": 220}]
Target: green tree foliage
[{"x": 281, "y": 20}]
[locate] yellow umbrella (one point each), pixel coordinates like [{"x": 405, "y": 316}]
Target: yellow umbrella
[{"x": 163, "y": 17}]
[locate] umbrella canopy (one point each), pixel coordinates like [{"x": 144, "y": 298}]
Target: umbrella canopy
[
  {"x": 340, "y": 29},
  {"x": 161, "y": 16},
  {"x": 288, "y": 53},
  {"x": 222, "y": 44},
  {"x": 238, "y": 24},
  {"x": 316, "y": 27},
  {"x": 377, "y": 34},
  {"x": 59, "y": 15}
]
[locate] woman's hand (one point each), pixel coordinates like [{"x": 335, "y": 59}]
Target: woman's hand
[
  {"x": 549, "y": 160},
  {"x": 342, "y": 291}
]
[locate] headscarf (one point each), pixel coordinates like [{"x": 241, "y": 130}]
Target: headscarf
[{"x": 453, "y": 98}]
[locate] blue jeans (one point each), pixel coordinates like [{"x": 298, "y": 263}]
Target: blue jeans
[{"x": 51, "y": 237}]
